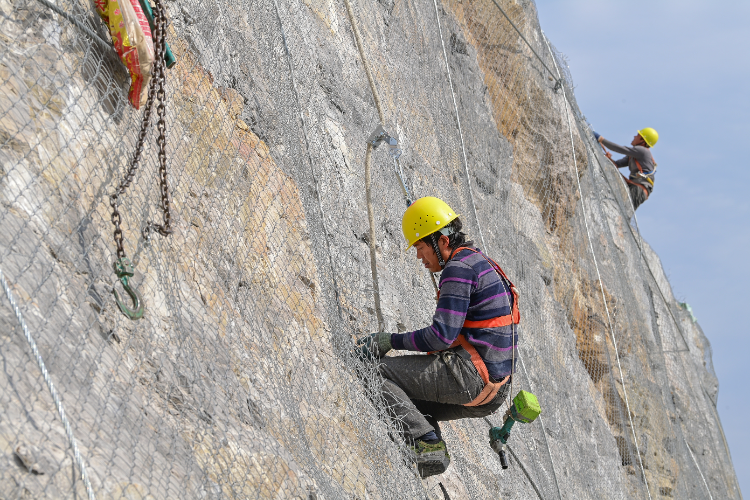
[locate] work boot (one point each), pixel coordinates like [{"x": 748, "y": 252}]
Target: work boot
[{"x": 431, "y": 458}]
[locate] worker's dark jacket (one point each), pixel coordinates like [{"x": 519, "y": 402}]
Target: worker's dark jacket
[
  {"x": 640, "y": 153},
  {"x": 471, "y": 292}
]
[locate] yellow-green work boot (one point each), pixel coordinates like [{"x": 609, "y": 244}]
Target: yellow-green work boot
[{"x": 431, "y": 459}]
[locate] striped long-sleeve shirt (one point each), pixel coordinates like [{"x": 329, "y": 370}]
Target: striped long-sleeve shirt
[{"x": 470, "y": 290}]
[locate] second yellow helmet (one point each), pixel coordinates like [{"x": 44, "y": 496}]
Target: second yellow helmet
[
  {"x": 649, "y": 135},
  {"x": 424, "y": 217}
]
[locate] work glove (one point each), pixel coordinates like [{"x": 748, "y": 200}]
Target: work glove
[
  {"x": 373, "y": 346},
  {"x": 596, "y": 135}
]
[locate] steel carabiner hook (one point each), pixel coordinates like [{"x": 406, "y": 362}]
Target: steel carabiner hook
[{"x": 124, "y": 271}]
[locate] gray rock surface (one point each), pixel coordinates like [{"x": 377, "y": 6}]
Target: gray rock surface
[{"x": 239, "y": 381}]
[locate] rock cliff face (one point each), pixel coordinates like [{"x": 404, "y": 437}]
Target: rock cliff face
[{"x": 239, "y": 381}]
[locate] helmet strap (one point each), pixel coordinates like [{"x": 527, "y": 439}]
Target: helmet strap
[{"x": 434, "y": 240}]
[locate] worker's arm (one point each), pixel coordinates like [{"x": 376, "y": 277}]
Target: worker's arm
[
  {"x": 637, "y": 152},
  {"x": 622, "y": 162},
  {"x": 456, "y": 284}
]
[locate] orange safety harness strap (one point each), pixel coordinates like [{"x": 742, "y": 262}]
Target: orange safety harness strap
[
  {"x": 645, "y": 191},
  {"x": 490, "y": 389},
  {"x": 514, "y": 317},
  {"x": 640, "y": 168}
]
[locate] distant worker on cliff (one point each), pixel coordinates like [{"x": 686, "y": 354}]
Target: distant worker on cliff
[
  {"x": 471, "y": 343},
  {"x": 640, "y": 161}
]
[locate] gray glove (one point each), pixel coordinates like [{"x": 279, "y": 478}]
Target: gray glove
[{"x": 375, "y": 345}]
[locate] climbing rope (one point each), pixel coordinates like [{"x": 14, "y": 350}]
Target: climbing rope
[
  {"x": 51, "y": 386},
  {"x": 699, "y": 471},
  {"x": 523, "y": 467},
  {"x": 639, "y": 243},
  {"x": 544, "y": 431},
  {"x": 368, "y": 168},
  {"x": 599, "y": 277},
  {"x": 481, "y": 236}
]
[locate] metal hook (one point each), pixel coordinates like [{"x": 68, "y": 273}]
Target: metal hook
[{"x": 124, "y": 271}]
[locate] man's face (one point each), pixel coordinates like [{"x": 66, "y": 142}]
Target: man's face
[
  {"x": 427, "y": 255},
  {"x": 637, "y": 140}
]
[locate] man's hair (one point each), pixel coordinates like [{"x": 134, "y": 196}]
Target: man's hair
[{"x": 455, "y": 239}]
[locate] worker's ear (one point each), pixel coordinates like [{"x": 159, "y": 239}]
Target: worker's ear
[{"x": 443, "y": 242}]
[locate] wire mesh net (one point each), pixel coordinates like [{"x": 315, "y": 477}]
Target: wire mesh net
[{"x": 240, "y": 380}]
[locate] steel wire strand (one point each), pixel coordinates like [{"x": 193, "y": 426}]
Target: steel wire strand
[
  {"x": 50, "y": 385},
  {"x": 601, "y": 285},
  {"x": 94, "y": 36},
  {"x": 481, "y": 236},
  {"x": 309, "y": 156},
  {"x": 558, "y": 79},
  {"x": 458, "y": 122}
]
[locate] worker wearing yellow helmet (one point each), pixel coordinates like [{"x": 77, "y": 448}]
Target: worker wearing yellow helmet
[
  {"x": 471, "y": 341},
  {"x": 640, "y": 161}
]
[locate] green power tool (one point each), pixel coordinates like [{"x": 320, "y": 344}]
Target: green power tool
[{"x": 525, "y": 409}]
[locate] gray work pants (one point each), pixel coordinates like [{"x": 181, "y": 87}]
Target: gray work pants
[
  {"x": 421, "y": 390},
  {"x": 637, "y": 196}
]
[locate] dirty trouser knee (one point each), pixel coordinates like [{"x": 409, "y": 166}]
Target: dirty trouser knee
[
  {"x": 446, "y": 381},
  {"x": 637, "y": 196}
]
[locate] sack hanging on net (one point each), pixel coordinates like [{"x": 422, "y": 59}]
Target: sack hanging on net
[{"x": 131, "y": 36}]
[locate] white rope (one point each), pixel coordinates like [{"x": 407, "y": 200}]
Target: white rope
[
  {"x": 50, "y": 386},
  {"x": 639, "y": 243},
  {"x": 598, "y": 275},
  {"x": 638, "y": 237},
  {"x": 368, "y": 168},
  {"x": 699, "y": 469},
  {"x": 458, "y": 121}
]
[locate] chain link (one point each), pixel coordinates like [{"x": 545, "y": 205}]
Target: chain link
[{"x": 155, "y": 91}]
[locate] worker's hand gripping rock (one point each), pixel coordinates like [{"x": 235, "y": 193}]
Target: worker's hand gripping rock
[{"x": 373, "y": 346}]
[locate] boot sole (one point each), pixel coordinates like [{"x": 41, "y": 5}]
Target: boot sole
[{"x": 432, "y": 464}]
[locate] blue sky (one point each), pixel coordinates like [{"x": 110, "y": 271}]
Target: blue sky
[{"x": 684, "y": 69}]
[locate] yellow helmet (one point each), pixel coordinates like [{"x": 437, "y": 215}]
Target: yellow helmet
[
  {"x": 649, "y": 135},
  {"x": 424, "y": 217}
]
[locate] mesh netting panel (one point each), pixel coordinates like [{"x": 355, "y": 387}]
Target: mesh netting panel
[{"x": 240, "y": 379}]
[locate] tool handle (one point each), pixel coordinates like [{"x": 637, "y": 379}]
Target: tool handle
[{"x": 503, "y": 459}]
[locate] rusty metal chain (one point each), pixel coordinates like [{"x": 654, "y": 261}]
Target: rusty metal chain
[
  {"x": 159, "y": 74},
  {"x": 124, "y": 269},
  {"x": 156, "y": 90}
]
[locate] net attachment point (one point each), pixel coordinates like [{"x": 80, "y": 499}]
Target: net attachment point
[{"x": 380, "y": 136}]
